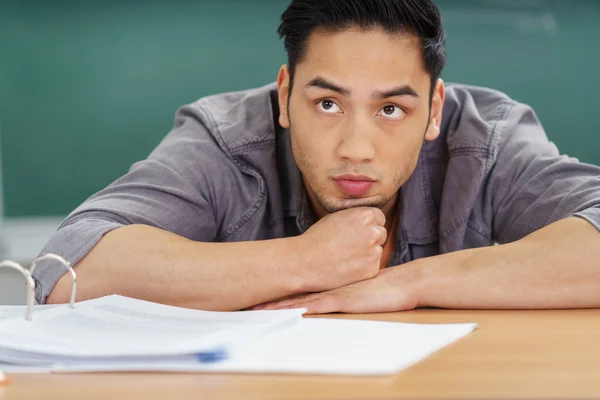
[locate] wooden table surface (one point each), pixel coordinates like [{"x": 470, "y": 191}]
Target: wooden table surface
[{"x": 513, "y": 354}]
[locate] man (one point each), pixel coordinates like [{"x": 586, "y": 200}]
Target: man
[{"x": 345, "y": 188}]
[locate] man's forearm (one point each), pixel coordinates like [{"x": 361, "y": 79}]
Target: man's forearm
[
  {"x": 151, "y": 264},
  {"x": 555, "y": 267}
]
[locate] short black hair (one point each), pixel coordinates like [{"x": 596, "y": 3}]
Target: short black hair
[{"x": 418, "y": 17}]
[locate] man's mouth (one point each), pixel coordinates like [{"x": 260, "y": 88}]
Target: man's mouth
[{"x": 354, "y": 185}]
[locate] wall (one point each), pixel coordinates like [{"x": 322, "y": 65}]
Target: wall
[{"x": 88, "y": 87}]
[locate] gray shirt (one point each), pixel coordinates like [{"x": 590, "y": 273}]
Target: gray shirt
[{"x": 226, "y": 173}]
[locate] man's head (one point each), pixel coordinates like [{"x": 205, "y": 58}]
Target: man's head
[{"x": 360, "y": 93}]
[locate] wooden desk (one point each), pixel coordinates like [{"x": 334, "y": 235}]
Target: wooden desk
[{"x": 513, "y": 354}]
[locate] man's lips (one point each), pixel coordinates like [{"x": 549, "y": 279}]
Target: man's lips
[{"x": 354, "y": 185}]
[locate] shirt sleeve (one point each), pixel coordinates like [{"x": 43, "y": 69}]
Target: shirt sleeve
[
  {"x": 531, "y": 185},
  {"x": 174, "y": 189}
]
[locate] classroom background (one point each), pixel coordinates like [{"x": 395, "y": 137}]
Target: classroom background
[{"x": 87, "y": 87}]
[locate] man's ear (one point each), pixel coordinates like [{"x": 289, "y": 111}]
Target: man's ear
[
  {"x": 283, "y": 91},
  {"x": 437, "y": 106}
]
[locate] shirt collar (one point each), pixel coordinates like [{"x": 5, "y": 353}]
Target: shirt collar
[
  {"x": 294, "y": 196},
  {"x": 418, "y": 215}
]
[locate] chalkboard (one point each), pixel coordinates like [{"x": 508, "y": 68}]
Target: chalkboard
[{"x": 87, "y": 87}]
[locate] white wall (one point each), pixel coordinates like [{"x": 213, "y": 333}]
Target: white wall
[{"x": 21, "y": 240}]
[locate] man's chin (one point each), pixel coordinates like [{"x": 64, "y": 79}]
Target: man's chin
[{"x": 344, "y": 204}]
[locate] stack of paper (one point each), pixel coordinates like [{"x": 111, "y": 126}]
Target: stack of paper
[
  {"x": 121, "y": 334},
  {"x": 19, "y": 311},
  {"x": 123, "y": 330}
]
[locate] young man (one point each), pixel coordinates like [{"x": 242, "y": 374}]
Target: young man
[{"x": 345, "y": 188}]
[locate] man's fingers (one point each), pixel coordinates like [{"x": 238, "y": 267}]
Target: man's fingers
[
  {"x": 287, "y": 302},
  {"x": 265, "y": 306},
  {"x": 372, "y": 214},
  {"x": 382, "y": 235},
  {"x": 379, "y": 216},
  {"x": 317, "y": 303},
  {"x": 322, "y": 305}
]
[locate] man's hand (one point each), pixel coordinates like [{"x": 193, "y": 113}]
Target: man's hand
[
  {"x": 342, "y": 248},
  {"x": 556, "y": 267},
  {"x": 392, "y": 290}
]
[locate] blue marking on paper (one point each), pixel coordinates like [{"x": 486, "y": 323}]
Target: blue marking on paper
[{"x": 213, "y": 356}]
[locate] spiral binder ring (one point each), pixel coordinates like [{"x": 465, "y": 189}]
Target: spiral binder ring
[
  {"x": 66, "y": 264},
  {"x": 28, "y": 281},
  {"x": 28, "y": 274}
]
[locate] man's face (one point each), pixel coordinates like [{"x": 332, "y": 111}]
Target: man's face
[{"x": 358, "y": 114}]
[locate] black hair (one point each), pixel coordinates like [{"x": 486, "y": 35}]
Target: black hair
[{"x": 418, "y": 17}]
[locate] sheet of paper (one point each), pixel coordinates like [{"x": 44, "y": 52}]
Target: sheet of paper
[
  {"x": 20, "y": 311},
  {"x": 116, "y": 326},
  {"x": 321, "y": 346}
]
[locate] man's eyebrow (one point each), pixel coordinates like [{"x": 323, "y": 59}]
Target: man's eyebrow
[
  {"x": 405, "y": 90},
  {"x": 323, "y": 83}
]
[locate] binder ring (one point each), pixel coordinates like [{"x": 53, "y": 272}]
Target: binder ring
[
  {"x": 28, "y": 281},
  {"x": 66, "y": 264}
]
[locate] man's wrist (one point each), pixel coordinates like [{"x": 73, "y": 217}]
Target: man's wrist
[
  {"x": 432, "y": 277},
  {"x": 410, "y": 279},
  {"x": 449, "y": 280},
  {"x": 296, "y": 255},
  {"x": 423, "y": 282}
]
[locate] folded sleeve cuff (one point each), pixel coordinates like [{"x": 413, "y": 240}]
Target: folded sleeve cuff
[
  {"x": 72, "y": 242},
  {"x": 592, "y": 215}
]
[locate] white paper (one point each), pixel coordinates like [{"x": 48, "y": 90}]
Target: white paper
[
  {"x": 2, "y": 377},
  {"x": 20, "y": 311},
  {"x": 321, "y": 346},
  {"x": 116, "y": 326},
  {"x": 121, "y": 334}
]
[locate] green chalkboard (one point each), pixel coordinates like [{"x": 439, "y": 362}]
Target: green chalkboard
[{"x": 87, "y": 87}]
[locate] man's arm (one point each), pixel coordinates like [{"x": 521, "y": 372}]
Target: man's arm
[
  {"x": 148, "y": 263},
  {"x": 549, "y": 258},
  {"x": 557, "y": 267}
]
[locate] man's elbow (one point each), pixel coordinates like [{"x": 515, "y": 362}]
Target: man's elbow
[{"x": 62, "y": 291}]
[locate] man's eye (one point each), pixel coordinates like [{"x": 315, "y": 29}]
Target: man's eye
[
  {"x": 391, "y": 111},
  {"x": 329, "y": 106}
]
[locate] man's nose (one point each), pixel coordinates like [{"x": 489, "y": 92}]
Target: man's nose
[{"x": 357, "y": 142}]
